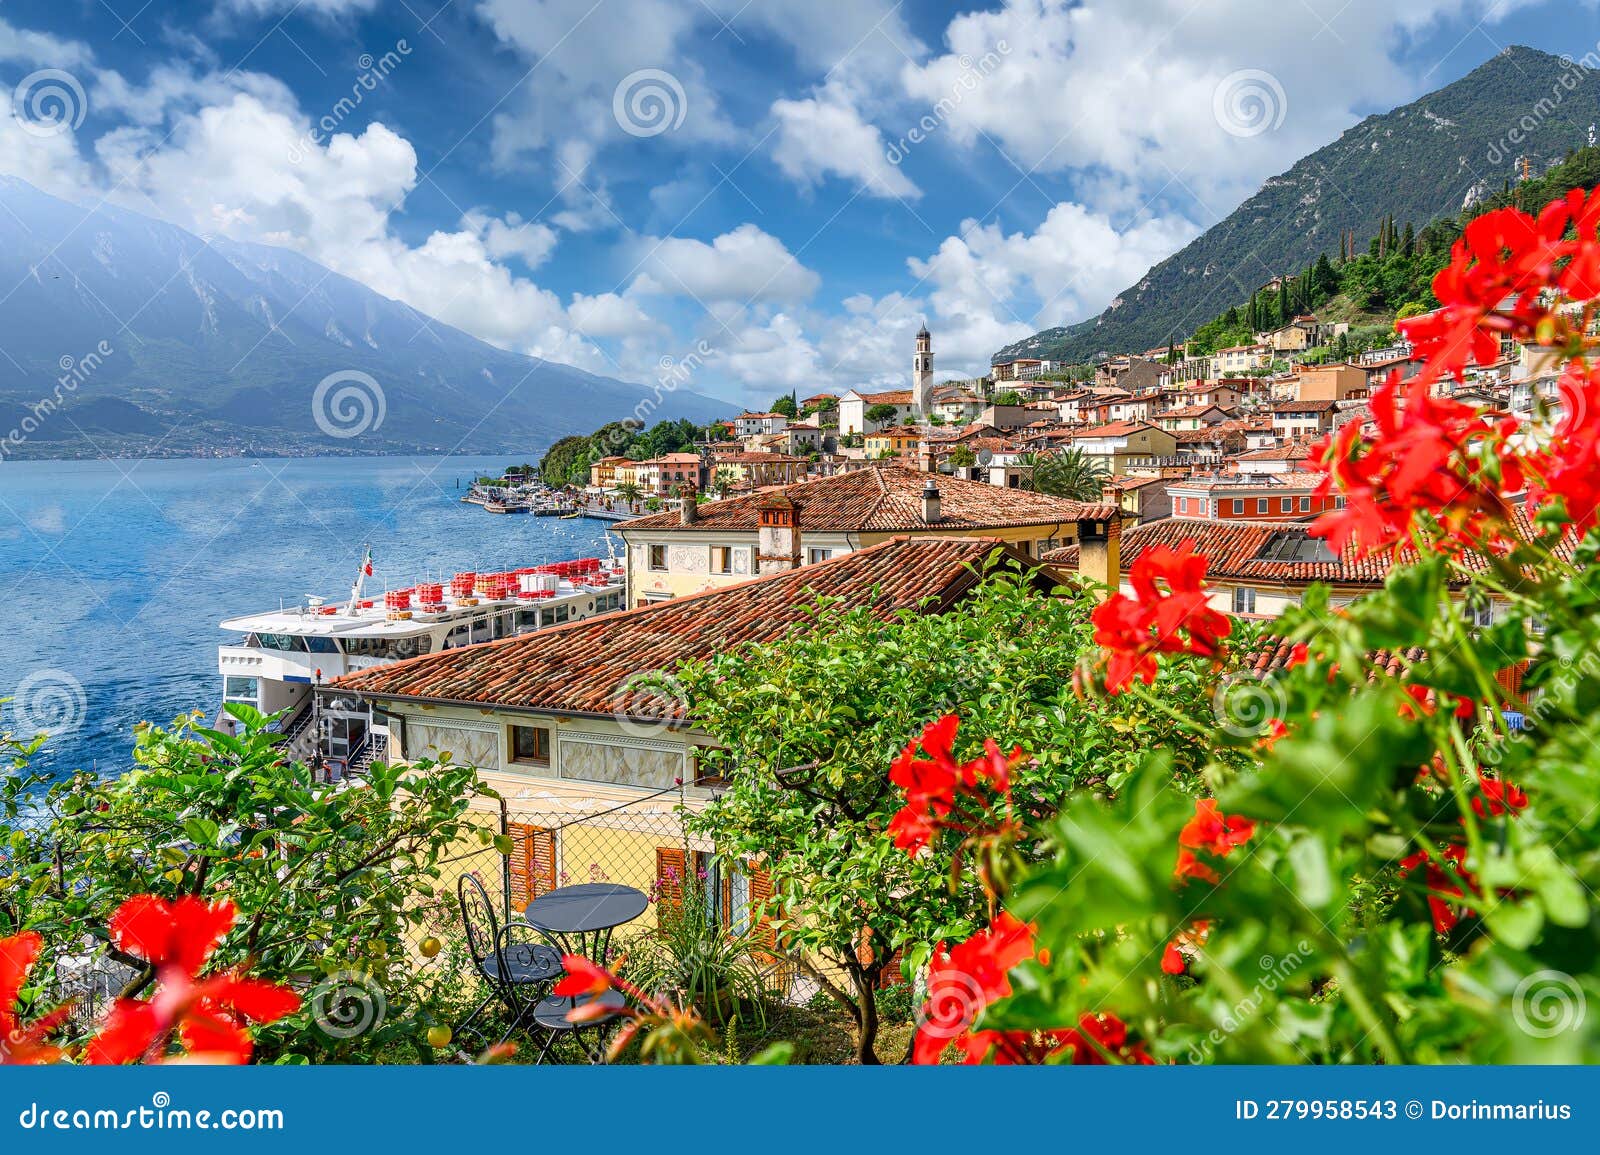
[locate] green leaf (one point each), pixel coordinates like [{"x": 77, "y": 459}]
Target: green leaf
[
  {"x": 1516, "y": 924},
  {"x": 774, "y": 1055}
]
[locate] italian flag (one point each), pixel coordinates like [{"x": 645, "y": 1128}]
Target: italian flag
[{"x": 366, "y": 563}]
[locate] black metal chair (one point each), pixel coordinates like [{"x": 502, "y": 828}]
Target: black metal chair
[
  {"x": 550, "y": 1016},
  {"x": 518, "y": 973}
]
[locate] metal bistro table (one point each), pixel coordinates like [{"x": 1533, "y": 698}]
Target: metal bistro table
[{"x": 579, "y": 920}]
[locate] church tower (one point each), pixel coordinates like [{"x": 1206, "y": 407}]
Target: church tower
[{"x": 922, "y": 375}]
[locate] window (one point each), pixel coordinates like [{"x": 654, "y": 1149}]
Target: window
[
  {"x": 237, "y": 689},
  {"x": 1261, "y": 505},
  {"x": 721, "y": 559},
  {"x": 1238, "y": 506},
  {"x": 292, "y": 643},
  {"x": 1244, "y": 600},
  {"x": 658, "y": 557},
  {"x": 530, "y": 745},
  {"x": 1305, "y": 505},
  {"x": 813, "y": 556},
  {"x": 1284, "y": 504},
  {"x": 1480, "y": 616}
]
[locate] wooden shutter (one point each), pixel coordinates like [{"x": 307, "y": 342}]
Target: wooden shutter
[
  {"x": 533, "y": 863},
  {"x": 671, "y": 866},
  {"x": 762, "y": 909},
  {"x": 1510, "y": 680}
]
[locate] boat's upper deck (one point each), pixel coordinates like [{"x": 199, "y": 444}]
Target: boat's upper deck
[{"x": 422, "y": 608}]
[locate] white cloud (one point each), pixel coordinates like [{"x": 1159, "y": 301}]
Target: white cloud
[
  {"x": 826, "y": 134},
  {"x": 1128, "y": 85},
  {"x": 744, "y": 265},
  {"x": 608, "y": 315},
  {"x": 769, "y": 356},
  {"x": 42, "y": 48},
  {"x": 989, "y": 288},
  {"x": 530, "y": 241}
]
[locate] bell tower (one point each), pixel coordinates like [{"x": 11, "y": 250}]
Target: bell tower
[{"x": 922, "y": 375}]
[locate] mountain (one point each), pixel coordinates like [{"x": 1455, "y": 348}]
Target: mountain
[
  {"x": 1430, "y": 158},
  {"x": 123, "y": 334}
]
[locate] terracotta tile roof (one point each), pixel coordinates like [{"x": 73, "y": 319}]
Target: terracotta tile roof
[
  {"x": 1271, "y": 552},
  {"x": 761, "y": 459},
  {"x": 893, "y": 397},
  {"x": 1278, "y": 453},
  {"x": 674, "y": 459},
  {"x": 1210, "y": 435},
  {"x": 882, "y": 499},
  {"x": 1304, "y": 406},
  {"x": 1115, "y": 429},
  {"x": 586, "y": 667},
  {"x": 1273, "y": 655}
]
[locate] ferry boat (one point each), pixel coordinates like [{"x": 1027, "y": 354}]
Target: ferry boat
[{"x": 284, "y": 653}]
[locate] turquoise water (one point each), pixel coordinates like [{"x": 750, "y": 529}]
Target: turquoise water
[{"x": 116, "y": 573}]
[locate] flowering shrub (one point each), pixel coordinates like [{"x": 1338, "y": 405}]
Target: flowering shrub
[
  {"x": 332, "y": 885},
  {"x": 1393, "y": 866},
  {"x": 202, "y": 1019}
]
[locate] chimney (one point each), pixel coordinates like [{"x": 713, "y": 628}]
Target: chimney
[
  {"x": 778, "y": 534},
  {"x": 688, "y": 509},
  {"x": 930, "y": 502},
  {"x": 1100, "y": 549}
]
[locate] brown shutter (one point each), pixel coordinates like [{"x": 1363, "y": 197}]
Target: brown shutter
[
  {"x": 762, "y": 908},
  {"x": 1510, "y": 680},
  {"x": 533, "y": 863},
  {"x": 671, "y": 866}
]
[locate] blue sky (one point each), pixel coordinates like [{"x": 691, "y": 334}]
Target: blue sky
[{"x": 797, "y": 186}]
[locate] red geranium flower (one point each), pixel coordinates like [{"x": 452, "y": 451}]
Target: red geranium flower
[
  {"x": 583, "y": 977},
  {"x": 206, "y": 1015},
  {"x": 1499, "y": 798},
  {"x": 1168, "y": 614},
  {"x": 1100, "y": 1038},
  {"x": 22, "y": 1045},
  {"x": 933, "y": 784},
  {"x": 961, "y": 983},
  {"x": 1568, "y": 469},
  {"x": 1213, "y": 833},
  {"x": 1429, "y": 454},
  {"x": 1443, "y": 885}
]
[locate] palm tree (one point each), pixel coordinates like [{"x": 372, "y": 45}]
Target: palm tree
[
  {"x": 1070, "y": 473},
  {"x": 630, "y": 492},
  {"x": 722, "y": 481}
]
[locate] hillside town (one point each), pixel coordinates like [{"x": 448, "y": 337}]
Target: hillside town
[{"x": 1166, "y": 446}]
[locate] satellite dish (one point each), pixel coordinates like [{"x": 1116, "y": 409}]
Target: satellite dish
[{"x": 985, "y": 456}]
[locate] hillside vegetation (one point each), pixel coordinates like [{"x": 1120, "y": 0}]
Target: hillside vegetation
[{"x": 1428, "y": 160}]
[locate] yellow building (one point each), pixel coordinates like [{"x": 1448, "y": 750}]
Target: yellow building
[
  {"x": 894, "y": 441},
  {"x": 603, "y": 473},
  {"x": 583, "y": 730}
]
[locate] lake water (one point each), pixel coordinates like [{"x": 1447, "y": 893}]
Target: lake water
[{"x": 116, "y": 573}]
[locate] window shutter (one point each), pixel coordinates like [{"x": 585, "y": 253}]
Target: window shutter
[
  {"x": 671, "y": 866},
  {"x": 533, "y": 863},
  {"x": 1510, "y": 679},
  {"x": 762, "y": 908}
]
